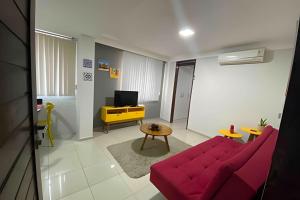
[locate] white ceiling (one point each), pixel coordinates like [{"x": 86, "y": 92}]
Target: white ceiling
[{"x": 152, "y": 25}]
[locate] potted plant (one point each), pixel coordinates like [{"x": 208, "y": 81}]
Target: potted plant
[{"x": 262, "y": 124}]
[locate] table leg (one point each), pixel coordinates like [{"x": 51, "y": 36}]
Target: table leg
[
  {"x": 153, "y": 137},
  {"x": 251, "y": 137},
  {"x": 144, "y": 141},
  {"x": 166, "y": 139}
]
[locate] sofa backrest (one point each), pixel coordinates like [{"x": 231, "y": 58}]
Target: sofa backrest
[
  {"x": 256, "y": 169},
  {"x": 236, "y": 162},
  {"x": 252, "y": 175}
]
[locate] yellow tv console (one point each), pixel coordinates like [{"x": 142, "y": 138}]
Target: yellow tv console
[{"x": 114, "y": 115}]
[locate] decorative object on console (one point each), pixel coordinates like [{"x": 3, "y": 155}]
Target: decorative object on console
[{"x": 262, "y": 124}]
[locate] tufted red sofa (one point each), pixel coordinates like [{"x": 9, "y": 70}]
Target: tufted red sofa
[{"x": 219, "y": 169}]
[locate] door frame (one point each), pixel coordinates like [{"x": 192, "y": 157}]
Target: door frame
[
  {"x": 179, "y": 64},
  {"x": 34, "y": 137}
]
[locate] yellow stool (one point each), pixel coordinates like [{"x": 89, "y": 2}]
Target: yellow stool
[{"x": 48, "y": 122}]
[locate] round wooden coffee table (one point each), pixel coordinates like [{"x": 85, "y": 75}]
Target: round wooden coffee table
[{"x": 164, "y": 131}]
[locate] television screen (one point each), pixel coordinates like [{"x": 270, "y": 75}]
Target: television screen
[{"x": 125, "y": 98}]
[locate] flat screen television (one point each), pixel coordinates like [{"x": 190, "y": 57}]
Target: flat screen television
[{"x": 125, "y": 98}]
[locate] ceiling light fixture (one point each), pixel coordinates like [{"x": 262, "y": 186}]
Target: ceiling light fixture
[{"x": 186, "y": 32}]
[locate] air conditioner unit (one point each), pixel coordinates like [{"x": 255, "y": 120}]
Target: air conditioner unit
[{"x": 242, "y": 57}]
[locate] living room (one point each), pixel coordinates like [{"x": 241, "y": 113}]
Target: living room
[
  {"x": 221, "y": 95},
  {"x": 159, "y": 99}
]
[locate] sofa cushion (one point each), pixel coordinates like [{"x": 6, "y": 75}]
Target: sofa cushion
[{"x": 187, "y": 174}]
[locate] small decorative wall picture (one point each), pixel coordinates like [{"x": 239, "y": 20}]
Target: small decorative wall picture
[
  {"x": 114, "y": 73},
  {"x": 103, "y": 65},
  {"x": 87, "y": 63},
  {"x": 87, "y": 76}
]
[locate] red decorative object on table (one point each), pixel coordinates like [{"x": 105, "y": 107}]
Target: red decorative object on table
[{"x": 231, "y": 128}]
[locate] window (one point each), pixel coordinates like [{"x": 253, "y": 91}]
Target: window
[
  {"x": 55, "y": 66},
  {"x": 142, "y": 74}
]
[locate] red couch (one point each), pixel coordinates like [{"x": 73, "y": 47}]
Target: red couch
[{"x": 219, "y": 169}]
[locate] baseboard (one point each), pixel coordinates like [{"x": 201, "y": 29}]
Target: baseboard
[
  {"x": 86, "y": 138},
  {"x": 202, "y": 134}
]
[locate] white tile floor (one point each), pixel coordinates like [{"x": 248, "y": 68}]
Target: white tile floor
[{"x": 85, "y": 170}]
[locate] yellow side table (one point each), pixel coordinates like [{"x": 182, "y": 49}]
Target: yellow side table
[
  {"x": 227, "y": 134},
  {"x": 253, "y": 132}
]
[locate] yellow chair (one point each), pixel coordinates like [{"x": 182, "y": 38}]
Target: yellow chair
[{"x": 48, "y": 122}]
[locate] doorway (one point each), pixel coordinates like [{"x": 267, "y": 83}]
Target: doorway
[{"x": 182, "y": 91}]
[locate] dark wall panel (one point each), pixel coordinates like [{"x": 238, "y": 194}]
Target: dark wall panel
[
  {"x": 283, "y": 181},
  {"x": 26, "y": 180},
  {"x": 16, "y": 78},
  {"x": 17, "y": 171},
  {"x": 10, "y": 15},
  {"x": 12, "y": 148},
  {"x": 10, "y": 189},
  {"x": 30, "y": 194},
  {"x": 12, "y": 49},
  {"x": 12, "y": 116},
  {"x": 23, "y": 6}
]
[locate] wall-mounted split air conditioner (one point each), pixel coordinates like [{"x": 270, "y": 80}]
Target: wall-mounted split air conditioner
[{"x": 242, "y": 57}]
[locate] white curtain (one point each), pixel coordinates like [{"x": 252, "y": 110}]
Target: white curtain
[
  {"x": 55, "y": 66},
  {"x": 142, "y": 74}
]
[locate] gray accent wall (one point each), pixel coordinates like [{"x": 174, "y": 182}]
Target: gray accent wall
[{"x": 104, "y": 86}]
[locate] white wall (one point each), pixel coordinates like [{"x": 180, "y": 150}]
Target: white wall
[
  {"x": 63, "y": 117},
  {"x": 85, "y": 89},
  {"x": 183, "y": 91},
  {"x": 167, "y": 91},
  {"x": 238, "y": 94}
]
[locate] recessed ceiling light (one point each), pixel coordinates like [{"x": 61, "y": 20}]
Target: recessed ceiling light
[{"x": 186, "y": 32}]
